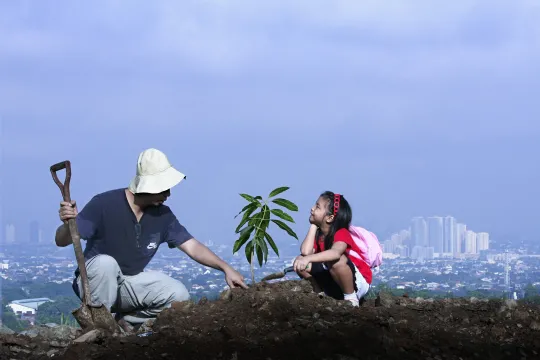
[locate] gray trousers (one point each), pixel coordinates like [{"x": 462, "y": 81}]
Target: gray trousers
[{"x": 137, "y": 298}]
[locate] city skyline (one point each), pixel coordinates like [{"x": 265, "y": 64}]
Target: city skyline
[
  {"x": 35, "y": 233},
  {"x": 431, "y": 236}
]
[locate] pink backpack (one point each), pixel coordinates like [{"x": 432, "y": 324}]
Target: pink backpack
[{"x": 371, "y": 251}]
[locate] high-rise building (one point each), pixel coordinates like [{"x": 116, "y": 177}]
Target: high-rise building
[
  {"x": 34, "y": 232},
  {"x": 450, "y": 235},
  {"x": 422, "y": 253},
  {"x": 405, "y": 237},
  {"x": 482, "y": 241},
  {"x": 436, "y": 234},
  {"x": 403, "y": 251},
  {"x": 389, "y": 246},
  {"x": 461, "y": 230},
  {"x": 10, "y": 234},
  {"x": 470, "y": 242},
  {"x": 396, "y": 239},
  {"x": 419, "y": 232}
]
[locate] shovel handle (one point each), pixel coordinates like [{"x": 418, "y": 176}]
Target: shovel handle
[
  {"x": 72, "y": 224},
  {"x": 64, "y": 188}
]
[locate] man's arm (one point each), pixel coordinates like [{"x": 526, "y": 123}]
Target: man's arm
[
  {"x": 176, "y": 235},
  {"x": 63, "y": 236},
  {"x": 203, "y": 255},
  {"x": 87, "y": 220}
]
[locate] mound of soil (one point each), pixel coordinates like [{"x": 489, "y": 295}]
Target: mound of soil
[{"x": 286, "y": 320}]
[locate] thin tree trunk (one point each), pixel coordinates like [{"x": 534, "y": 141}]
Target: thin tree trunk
[{"x": 252, "y": 270}]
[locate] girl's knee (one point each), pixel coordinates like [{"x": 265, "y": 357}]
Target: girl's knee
[
  {"x": 304, "y": 274},
  {"x": 339, "y": 265}
]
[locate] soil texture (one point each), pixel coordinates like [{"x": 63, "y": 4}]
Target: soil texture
[{"x": 286, "y": 320}]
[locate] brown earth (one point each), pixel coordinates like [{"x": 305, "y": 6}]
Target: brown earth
[{"x": 285, "y": 320}]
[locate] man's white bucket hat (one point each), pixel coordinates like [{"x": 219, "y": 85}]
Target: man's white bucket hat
[{"x": 155, "y": 173}]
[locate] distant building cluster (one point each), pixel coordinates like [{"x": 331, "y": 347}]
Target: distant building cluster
[
  {"x": 436, "y": 236},
  {"x": 35, "y": 235}
]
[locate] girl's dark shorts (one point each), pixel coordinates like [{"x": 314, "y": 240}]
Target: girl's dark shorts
[{"x": 327, "y": 283}]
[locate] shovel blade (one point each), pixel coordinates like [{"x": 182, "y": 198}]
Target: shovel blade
[
  {"x": 274, "y": 276},
  {"x": 98, "y": 317},
  {"x": 278, "y": 275}
]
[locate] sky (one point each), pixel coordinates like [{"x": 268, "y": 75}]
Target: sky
[{"x": 407, "y": 108}]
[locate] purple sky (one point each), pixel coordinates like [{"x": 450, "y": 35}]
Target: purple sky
[{"x": 428, "y": 108}]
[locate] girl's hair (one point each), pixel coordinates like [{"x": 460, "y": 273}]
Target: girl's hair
[{"x": 339, "y": 207}]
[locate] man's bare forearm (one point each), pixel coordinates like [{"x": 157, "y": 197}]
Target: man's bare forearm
[
  {"x": 203, "y": 255},
  {"x": 63, "y": 237}
]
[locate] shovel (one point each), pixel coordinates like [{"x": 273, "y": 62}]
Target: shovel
[
  {"x": 88, "y": 316},
  {"x": 278, "y": 275}
]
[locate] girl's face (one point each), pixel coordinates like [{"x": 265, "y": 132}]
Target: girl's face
[{"x": 319, "y": 213}]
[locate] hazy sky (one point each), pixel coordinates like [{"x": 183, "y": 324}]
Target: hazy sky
[{"x": 406, "y": 107}]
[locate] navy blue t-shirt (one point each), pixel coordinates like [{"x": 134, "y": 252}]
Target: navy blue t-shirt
[{"x": 111, "y": 228}]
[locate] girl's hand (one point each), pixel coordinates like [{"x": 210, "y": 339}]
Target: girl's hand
[{"x": 301, "y": 263}]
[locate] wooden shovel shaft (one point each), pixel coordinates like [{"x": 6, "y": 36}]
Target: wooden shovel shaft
[
  {"x": 72, "y": 223},
  {"x": 79, "y": 255}
]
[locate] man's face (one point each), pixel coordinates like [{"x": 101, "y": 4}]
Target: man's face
[
  {"x": 156, "y": 199},
  {"x": 161, "y": 197}
]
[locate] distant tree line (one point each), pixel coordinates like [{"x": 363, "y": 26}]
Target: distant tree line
[
  {"x": 531, "y": 295},
  {"x": 15, "y": 290}
]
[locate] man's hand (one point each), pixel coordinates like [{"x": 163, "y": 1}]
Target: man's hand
[
  {"x": 301, "y": 263},
  {"x": 68, "y": 210},
  {"x": 234, "y": 279}
]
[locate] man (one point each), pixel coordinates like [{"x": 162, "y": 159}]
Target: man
[{"x": 123, "y": 229}]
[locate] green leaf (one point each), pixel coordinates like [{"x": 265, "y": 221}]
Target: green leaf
[
  {"x": 280, "y": 213},
  {"x": 262, "y": 222},
  {"x": 249, "y": 251},
  {"x": 260, "y": 255},
  {"x": 245, "y": 218},
  {"x": 255, "y": 219},
  {"x": 248, "y": 197},
  {"x": 278, "y": 190},
  {"x": 255, "y": 204},
  {"x": 262, "y": 244},
  {"x": 244, "y": 236},
  {"x": 286, "y": 203},
  {"x": 272, "y": 243},
  {"x": 285, "y": 227}
]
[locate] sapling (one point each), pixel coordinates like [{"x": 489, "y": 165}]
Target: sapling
[{"x": 253, "y": 228}]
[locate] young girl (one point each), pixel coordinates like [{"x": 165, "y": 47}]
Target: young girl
[{"x": 325, "y": 259}]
